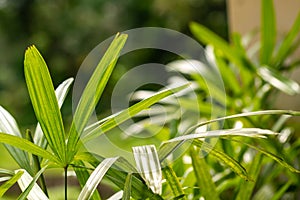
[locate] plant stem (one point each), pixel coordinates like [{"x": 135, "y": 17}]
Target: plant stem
[{"x": 66, "y": 182}]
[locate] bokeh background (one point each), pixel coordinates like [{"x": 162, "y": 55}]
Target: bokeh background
[{"x": 65, "y": 31}]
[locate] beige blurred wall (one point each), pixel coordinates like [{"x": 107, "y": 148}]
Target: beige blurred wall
[{"x": 244, "y": 16}]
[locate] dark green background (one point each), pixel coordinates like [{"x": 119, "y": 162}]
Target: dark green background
[{"x": 66, "y": 31}]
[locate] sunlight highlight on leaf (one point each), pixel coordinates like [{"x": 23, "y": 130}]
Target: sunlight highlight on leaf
[
  {"x": 246, "y": 132},
  {"x": 148, "y": 166},
  {"x": 95, "y": 178}
]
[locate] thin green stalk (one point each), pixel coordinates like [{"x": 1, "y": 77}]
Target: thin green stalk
[
  {"x": 66, "y": 182},
  {"x": 37, "y": 165}
]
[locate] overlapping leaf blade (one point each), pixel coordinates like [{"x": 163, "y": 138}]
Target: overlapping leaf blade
[
  {"x": 82, "y": 174},
  {"x": 148, "y": 165},
  {"x": 127, "y": 187},
  {"x": 27, "y": 146},
  {"x": 246, "y": 187},
  {"x": 112, "y": 121},
  {"x": 173, "y": 182},
  {"x": 44, "y": 102},
  {"x": 9, "y": 125},
  {"x": 246, "y": 132},
  {"x": 223, "y": 157},
  {"x": 278, "y": 81},
  {"x": 204, "y": 179},
  {"x": 93, "y": 92},
  {"x": 60, "y": 93},
  {"x": 95, "y": 178},
  {"x": 8, "y": 184},
  {"x": 117, "y": 174},
  {"x": 271, "y": 155},
  {"x": 30, "y": 189}
]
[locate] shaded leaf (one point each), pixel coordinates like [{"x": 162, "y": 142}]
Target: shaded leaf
[
  {"x": 127, "y": 188},
  {"x": 204, "y": 179},
  {"x": 279, "y": 194},
  {"x": 246, "y": 187},
  {"x": 9, "y": 125},
  {"x": 272, "y": 156},
  {"x": 173, "y": 182},
  {"x": 226, "y": 159}
]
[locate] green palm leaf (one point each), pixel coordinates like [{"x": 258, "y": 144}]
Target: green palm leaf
[
  {"x": 95, "y": 178},
  {"x": 112, "y": 121},
  {"x": 28, "y": 146},
  {"x": 44, "y": 102},
  {"x": 268, "y": 31},
  {"x": 9, "y": 125},
  {"x": 60, "y": 93},
  {"x": 93, "y": 92}
]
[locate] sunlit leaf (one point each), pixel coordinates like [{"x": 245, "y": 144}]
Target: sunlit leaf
[
  {"x": 93, "y": 92},
  {"x": 166, "y": 149},
  {"x": 246, "y": 132},
  {"x": 82, "y": 175},
  {"x": 27, "y": 146},
  {"x": 112, "y": 121},
  {"x": 116, "y": 196},
  {"x": 117, "y": 174},
  {"x": 44, "y": 102},
  {"x": 278, "y": 81},
  {"x": 246, "y": 114},
  {"x": 60, "y": 93}
]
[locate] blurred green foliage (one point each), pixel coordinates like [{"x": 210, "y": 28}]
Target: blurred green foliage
[{"x": 66, "y": 31}]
